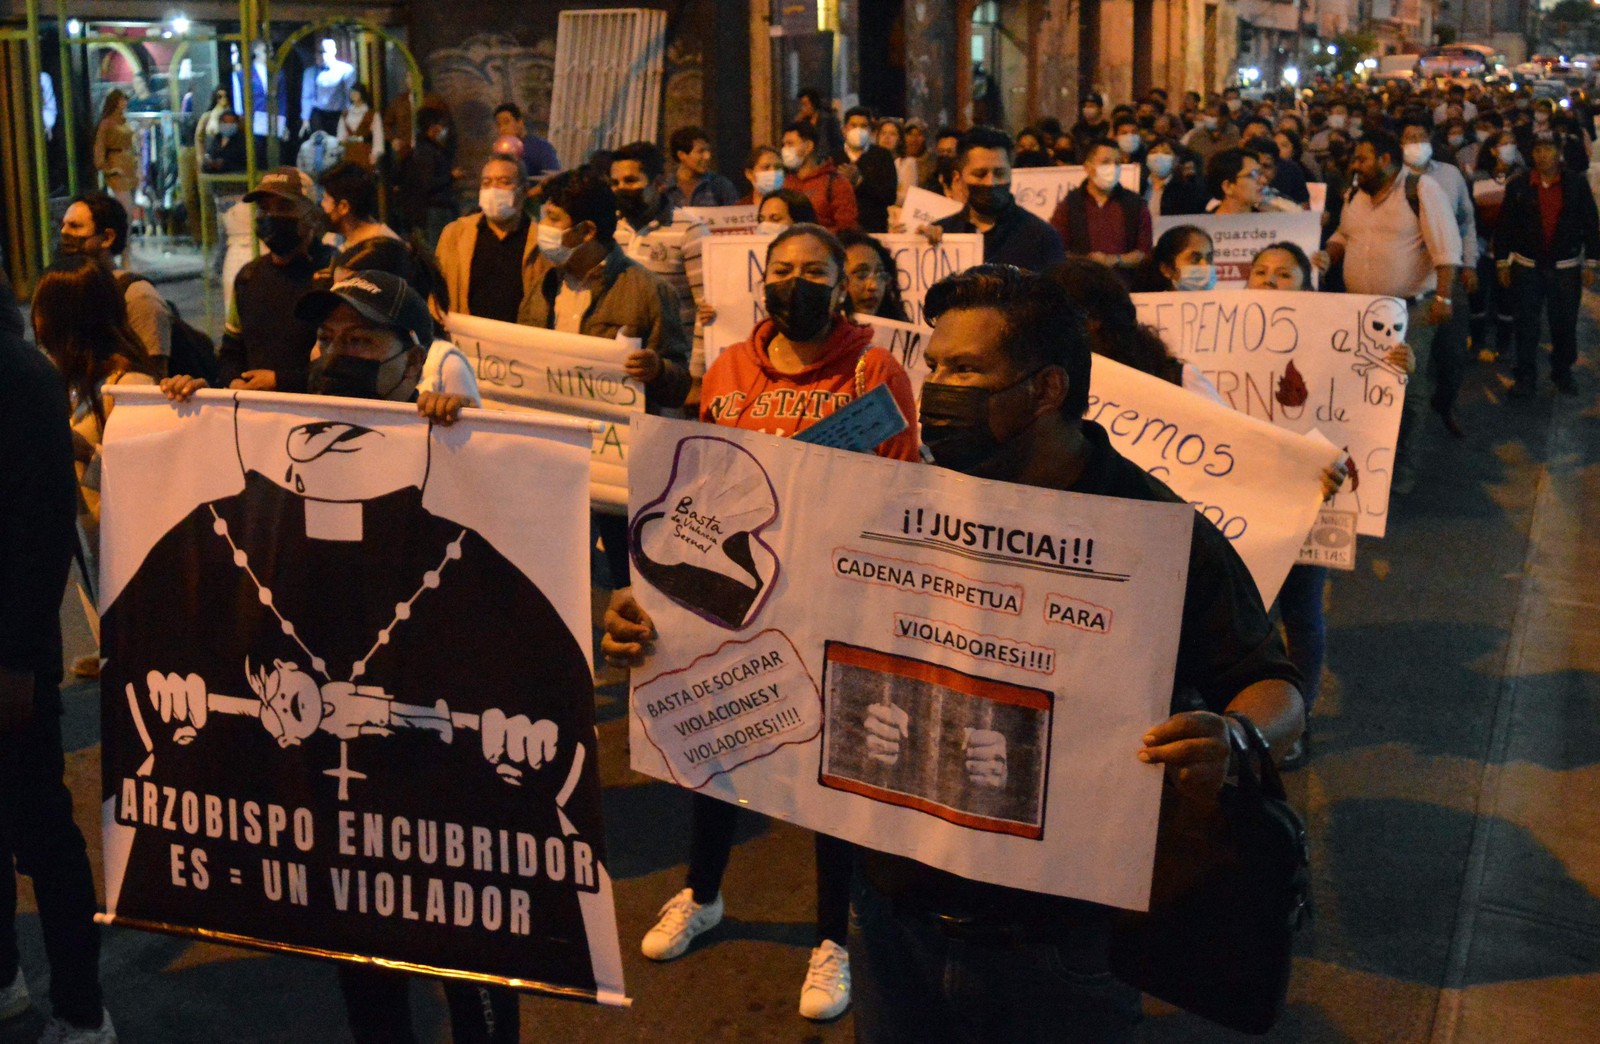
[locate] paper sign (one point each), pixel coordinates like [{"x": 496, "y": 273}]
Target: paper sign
[
  {"x": 1016, "y": 641},
  {"x": 735, "y": 268},
  {"x": 1039, "y": 190},
  {"x": 528, "y": 367},
  {"x": 723, "y": 220},
  {"x": 1301, "y": 361},
  {"x": 1319, "y": 195},
  {"x": 1332, "y": 540},
  {"x": 922, "y": 207},
  {"x": 865, "y": 424},
  {"x": 1237, "y": 238}
]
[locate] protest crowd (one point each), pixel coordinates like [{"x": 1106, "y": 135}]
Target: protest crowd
[{"x": 1468, "y": 205}]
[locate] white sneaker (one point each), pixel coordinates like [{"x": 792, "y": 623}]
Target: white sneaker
[
  {"x": 14, "y": 999},
  {"x": 60, "y": 1031},
  {"x": 826, "y": 992},
  {"x": 681, "y": 920}
]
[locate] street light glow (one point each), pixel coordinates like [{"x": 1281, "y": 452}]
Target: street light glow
[
  {"x": 74, "y": 27},
  {"x": 180, "y": 25},
  {"x": 1333, "y": 49},
  {"x": 1291, "y": 76}
]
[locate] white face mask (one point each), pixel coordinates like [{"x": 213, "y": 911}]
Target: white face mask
[
  {"x": 1483, "y": 135},
  {"x": 1455, "y": 140},
  {"x": 551, "y": 246},
  {"x": 1356, "y": 130},
  {"x": 768, "y": 181},
  {"x": 497, "y": 204},
  {"x": 1508, "y": 154},
  {"x": 1208, "y": 122},
  {"x": 858, "y": 137},
  {"x": 791, "y": 157},
  {"x": 1105, "y": 176},
  {"x": 1196, "y": 277},
  {"x": 1338, "y": 120},
  {"x": 1417, "y": 153},
  {"x": 770, "y": 228},
  {"x": 1160, "y": 164},
  {"x": 1128, "y": 143}
]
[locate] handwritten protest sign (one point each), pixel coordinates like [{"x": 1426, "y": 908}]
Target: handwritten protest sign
[
  {"x": 922, "y": 207},
  {"x": 1257, "y": 483},
  {"x": 1236, "y": 238},
  {"x": 1017, "y": 641},
  {"x": 1039, "y": 190},
  {"x": 365, "y": 728},
  {"x": 527, "y": 367},
  {"x": 735, "y": 267},
  {"x": 1301, "y": 361},
  {"x": 724, "y": 220}
]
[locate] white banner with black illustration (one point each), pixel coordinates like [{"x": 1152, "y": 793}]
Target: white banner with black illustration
[
  {"x": 977, "y": 691},
  {"x": 529, "y": 367},
  {"x": 1302, "y": 361},
  {"x": 347, "y": 706},
  {"x": 735, "y": 269}
]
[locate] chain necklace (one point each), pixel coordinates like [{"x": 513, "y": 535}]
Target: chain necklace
[{"x": 402, "y": 610}]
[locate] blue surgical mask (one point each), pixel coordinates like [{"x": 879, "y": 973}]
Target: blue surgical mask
[
  {"x": 1196, "y": 277},
  {"x": 768, "y": 181},
  {"x": 1160, "y": 164}
]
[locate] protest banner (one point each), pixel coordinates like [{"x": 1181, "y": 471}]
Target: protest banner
[
  {"x": 346, "y": 687},
  {"x": 1257, "y": 483},
  {"x": 735, "y": 267},
  {"x": 1236, "y": 238},
  {"x": 925, "y": 208},
  {"x": 1039, "y": 190},
  {"x": 528, "y": 367},
  {"x": 721, "y": 221},
  {"x": 1301, "y": 361},
  {"x": 1019, "y": 641}
]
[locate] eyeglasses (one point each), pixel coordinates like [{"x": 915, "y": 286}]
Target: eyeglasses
[{"x": 867, "y": 274}]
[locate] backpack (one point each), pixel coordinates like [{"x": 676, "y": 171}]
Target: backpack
[
  {"x": 1413, "y": 192},
  {"x": 194, "y": 354}
]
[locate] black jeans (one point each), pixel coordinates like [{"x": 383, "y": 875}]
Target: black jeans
[
  {"x": 380, "y": 1011},
  {"x": 37, "y": 829},
  {"x": 914, "y": 982},
  {"x": 1556, "y": 292},
  {"x": 712, "y": 824}
]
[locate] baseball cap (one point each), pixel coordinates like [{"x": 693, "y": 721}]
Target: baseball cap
[
  {"x": 284, "y": 182},
  {"x": 382, "y": 297}
]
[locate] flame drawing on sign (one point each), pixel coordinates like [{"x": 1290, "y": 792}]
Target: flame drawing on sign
[{"x": 1292, "y": 389}]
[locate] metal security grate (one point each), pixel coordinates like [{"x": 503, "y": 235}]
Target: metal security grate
[{"x": 607, "y": 89}]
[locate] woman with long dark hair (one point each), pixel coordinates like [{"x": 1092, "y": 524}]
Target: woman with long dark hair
[
  {"x": 871, "y": 277},
  {"x": 114, "y": 154}
]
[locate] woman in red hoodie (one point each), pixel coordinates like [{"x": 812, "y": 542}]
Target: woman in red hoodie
[{"x": 799, "y": 365}]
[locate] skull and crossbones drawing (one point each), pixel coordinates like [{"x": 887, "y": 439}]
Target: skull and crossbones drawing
[{"x": 1382, "y": 330}]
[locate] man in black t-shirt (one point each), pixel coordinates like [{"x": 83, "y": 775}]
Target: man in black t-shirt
[
  {"x": 264, "y": 347},
  {"x": 935, "y": 956}
]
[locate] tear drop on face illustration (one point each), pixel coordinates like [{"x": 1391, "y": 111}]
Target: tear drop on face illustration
[
  {"x": 288, "y": 476},
  {"x": 1292, "y": 389},
  {"x": 299, "y": 484}
]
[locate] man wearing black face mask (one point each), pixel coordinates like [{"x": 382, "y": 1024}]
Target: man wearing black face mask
[
  {"x": 264, "y": 347},
  {"x": 1005, "y": 400},
  {"x": 1011, "y": 235},
  {"x": 653, "y": 234}
]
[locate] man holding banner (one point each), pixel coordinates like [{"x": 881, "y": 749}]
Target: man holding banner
[
  {"x": 1398, "y": 237},
  {"x": 939, "y": 956}
]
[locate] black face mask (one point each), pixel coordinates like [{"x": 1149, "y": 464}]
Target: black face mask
[
  {"x": 955, "y": 424},
  {"x": 988, "y": 200},
  {"x": 280, "y": 234},
  {"x": 631, "y": 205},
  {"x": 801, "y": 308},
  {"x": 345, "y": 376}
]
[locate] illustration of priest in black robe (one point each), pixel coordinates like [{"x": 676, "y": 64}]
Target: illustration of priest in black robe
[{"x": 322, "y": 640}]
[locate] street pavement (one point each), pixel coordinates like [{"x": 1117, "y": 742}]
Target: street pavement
[{"x": 1450, "y": 800}]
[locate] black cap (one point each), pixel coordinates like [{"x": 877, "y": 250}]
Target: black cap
[
  {"x": 379, "y": 296},
  {"x": 284, "y": 182}
]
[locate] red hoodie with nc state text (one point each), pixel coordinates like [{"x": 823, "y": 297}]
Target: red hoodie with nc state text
[{"x": 743, "y": 389}]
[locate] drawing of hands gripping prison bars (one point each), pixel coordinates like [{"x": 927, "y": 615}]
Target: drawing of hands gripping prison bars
[{"x": 292, "y": 706}]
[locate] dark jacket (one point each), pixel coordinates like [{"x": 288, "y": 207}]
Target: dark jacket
[
  {"x": 628, "y": 295},
  {"x": 876, "y": 192},
  {"x": 38, "y": 508},
  {"x": 1520, "y": 230},
  {"x": 426, "y": 181},
  {"x": 1071, "y": 220},
  {"x": 1017, "y": 238},
  {"x": 1180, "y": 196}
]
